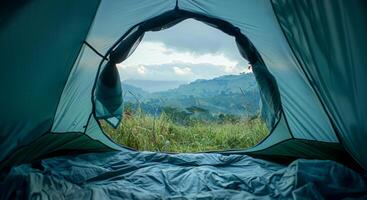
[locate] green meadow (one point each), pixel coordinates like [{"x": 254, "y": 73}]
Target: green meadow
[{"x": 144, "y": 132}]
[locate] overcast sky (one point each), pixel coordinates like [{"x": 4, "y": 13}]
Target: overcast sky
[{"x": 187, "y": 51}]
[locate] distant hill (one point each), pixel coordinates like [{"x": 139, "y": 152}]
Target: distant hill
[
  {"x": 230, "y": 94},
  {"x": 132, "y": 92},
  {"x": 154, "y": 86},
  {"x": 218, "y": 86}
]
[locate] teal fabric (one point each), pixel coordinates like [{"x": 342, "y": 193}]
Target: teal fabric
[
  {"x": 39, "y": 45},
  {"x": 144, "y": 175},
  {"x": 75, "y": 104},
  {"x": 115, "y": 17},
  {"x": 279, "y": 133},
  {"x": 270, "y": 104},
  {"x": 256, "y": 19},
  {"x": 329, "y": 40},
  {"x": 95, "y": 132}
]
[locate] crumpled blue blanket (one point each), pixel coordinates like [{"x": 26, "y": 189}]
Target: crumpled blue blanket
[{"x": 147, "y": 175}]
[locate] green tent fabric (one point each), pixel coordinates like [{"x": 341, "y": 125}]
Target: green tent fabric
[
  {"x": 58, "y": 74},
  {"x": 327, "y": 39}
]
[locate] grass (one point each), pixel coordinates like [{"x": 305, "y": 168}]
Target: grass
[{"x": 146, "y": 133}]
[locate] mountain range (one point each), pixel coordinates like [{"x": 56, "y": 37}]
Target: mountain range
[
  {"x": 229, "y": 94},
  {"x": 154, "y": 85}
]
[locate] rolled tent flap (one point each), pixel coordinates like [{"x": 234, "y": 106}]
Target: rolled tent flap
[
  {"x": 270, "y": 104},
  {"x": 108, "y": 101},
  {"x": 108, "y": 95}
]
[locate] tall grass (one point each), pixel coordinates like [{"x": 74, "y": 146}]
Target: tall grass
[{"x": 144, "y": 132}]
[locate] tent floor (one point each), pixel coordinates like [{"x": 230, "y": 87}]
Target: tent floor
[{"x": 146, "y": 175}]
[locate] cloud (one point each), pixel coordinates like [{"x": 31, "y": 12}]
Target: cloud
[
  {"x": 176, "y": 71},
  {"x": 157, "y": 53},
  {"x": 141, "y": 69},
  {"x": 185, "y": 52},
  {"x": 182, "y": 71},
  {"x": 195, "y": 36}
]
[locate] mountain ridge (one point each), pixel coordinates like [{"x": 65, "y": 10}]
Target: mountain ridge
[{"x": 228, "y": 94}]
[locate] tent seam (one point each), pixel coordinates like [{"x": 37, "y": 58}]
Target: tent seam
[
  {"x": 286, "y": 122},
  {"x": 95, "y": 50},
  {"x": 67, "y": 80}
]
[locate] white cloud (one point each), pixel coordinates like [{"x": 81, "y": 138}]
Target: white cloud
[
  {"x": 182, "y": 71},
  {"x": 155, "y": 61},
  {"x": 156, "y": 53},
  {"x": 141, "y": 69},
  {"x": 122, "y": 66}
]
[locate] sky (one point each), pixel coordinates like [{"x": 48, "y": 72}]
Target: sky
[{"x": 187, "y": 51}]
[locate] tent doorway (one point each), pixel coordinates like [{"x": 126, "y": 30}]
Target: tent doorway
[{"x": 188, "y": 89}]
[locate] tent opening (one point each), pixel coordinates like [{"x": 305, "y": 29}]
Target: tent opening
[{"x": 188, "y": 89}]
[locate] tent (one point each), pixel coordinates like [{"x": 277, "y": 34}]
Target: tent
[{"x": 59, "y": 77}]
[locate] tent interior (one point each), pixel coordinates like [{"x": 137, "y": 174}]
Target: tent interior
[{"x": 59, "y": 79}]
